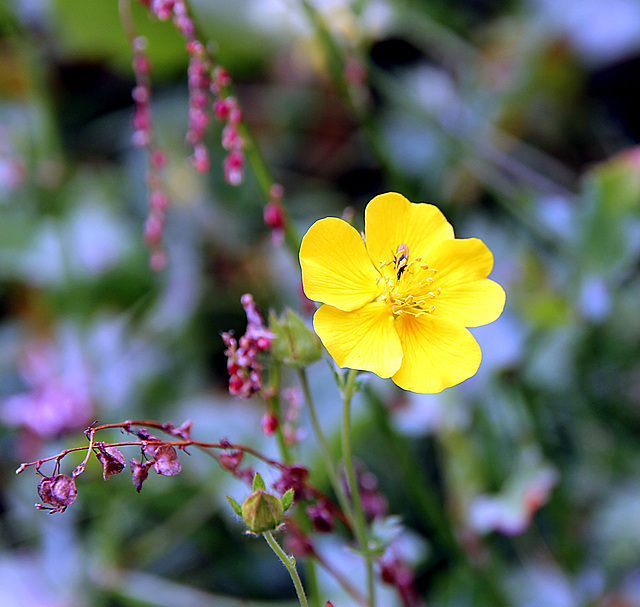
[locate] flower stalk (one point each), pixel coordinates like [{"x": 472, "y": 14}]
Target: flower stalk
[
  {"x": 290, "y": 564},
  {"x": 324, "y": 447},
  {"x": 360, "y": 524}
]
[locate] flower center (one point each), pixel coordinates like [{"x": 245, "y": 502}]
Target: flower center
[{"x": 406, "y": 284}]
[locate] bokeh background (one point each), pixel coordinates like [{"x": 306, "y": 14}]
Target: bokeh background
[{"x": 518, "y": 118}]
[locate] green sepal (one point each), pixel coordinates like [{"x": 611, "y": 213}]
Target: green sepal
[
  {"x": 287, "y": 499},
  {"x": 258, "y": 483},
  {"x": 237, "y": 508}
]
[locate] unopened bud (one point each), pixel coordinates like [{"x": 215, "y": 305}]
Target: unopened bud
[
  {"x": 262, "y": 511},
  {"x": 295, "y": 344}
]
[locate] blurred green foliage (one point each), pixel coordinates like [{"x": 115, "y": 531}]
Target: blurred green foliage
[{"x": 520, "y": 487}]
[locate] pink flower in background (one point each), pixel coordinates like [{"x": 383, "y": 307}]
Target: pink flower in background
[{"x": 58, "y": 398}]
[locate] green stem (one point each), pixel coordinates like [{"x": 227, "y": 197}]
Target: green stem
[
  {"x": 311, "y": 579},
  {"x": 265, "y": 181},
  {"x": 324, "y": 447},
  {"x": 359, "y": 518},
  {"x": 289, "y": 563},
  {"x": 274, "y": 407}
]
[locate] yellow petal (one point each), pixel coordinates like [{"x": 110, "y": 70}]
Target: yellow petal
[
  {"x": 471, "y": 304},
  {"x": 437, "y": 354},
  {"x": 335, "y": 266},
  {"x": 459, "y": 261},
  {"x": 391, "y": 220},
  {"x": 365, "y": 339}
]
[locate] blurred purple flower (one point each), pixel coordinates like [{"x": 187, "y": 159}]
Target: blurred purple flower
[{"x": 58, "y": 399}]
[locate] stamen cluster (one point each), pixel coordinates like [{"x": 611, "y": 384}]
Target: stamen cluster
[{"x": 403, "y": 282}]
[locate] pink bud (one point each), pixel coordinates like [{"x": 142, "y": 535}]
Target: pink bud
[
  {"x": 269, "y": 423},
  {"x": 158, "y": 201},
  {"x": 232, "y": 166},
  {"x": 235, "y": 115},
  {"x": 221, "y": 77},
  {"x": 141, "y": 118},
  {"x": 221, "y": 109},
  {"x": 141, "y": 64},
  {"x": 158, "y": 260},
  {"x": 276, "y": 192},
  {"x": 236, "y": 385},
  {"x": 185, "y": 25},
  {"x": 194, "y": 47},
  {"x": 273, "y": 216},
  {"x": 140, "y": 94},
  {"x": 153, "y": 229},
  {"x": 141, "y": 139},
  {"x": 200, "y": 158},
  {"x": 158, "y": 159},
  {"x": 231, "y": 139}
]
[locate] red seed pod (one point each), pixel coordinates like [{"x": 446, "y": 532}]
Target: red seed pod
[
  {"x": 231, "y": 460},
  {"x": 59, "y": 491},
  {"x": 112, "y": 460},
  {"x": 165, "y": 460},
  {"x": 139, "y": 472}
]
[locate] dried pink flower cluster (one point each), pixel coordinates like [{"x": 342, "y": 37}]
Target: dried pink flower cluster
[
  {"x": 245, "y": 370},
  {"x": 59, "y": 491}
]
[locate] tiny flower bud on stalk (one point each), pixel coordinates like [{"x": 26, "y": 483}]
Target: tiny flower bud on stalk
[
  {"x": 262, "y": 511},
  {"x": 295, "y": 345}
]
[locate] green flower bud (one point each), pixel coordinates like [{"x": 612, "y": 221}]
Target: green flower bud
[
  {"x": 262, "y": 511},
  {"x": 295, "y": 345}
]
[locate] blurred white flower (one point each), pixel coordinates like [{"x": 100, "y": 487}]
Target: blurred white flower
[{"x": 511, "y": 510}]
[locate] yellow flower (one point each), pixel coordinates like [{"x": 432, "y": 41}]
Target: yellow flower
[{"x": 398, "y": 303}]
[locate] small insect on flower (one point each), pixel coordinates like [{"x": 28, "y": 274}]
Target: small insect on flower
[
  {"x": 398, "y": 303},
  {"x": 402, "y": 255}
]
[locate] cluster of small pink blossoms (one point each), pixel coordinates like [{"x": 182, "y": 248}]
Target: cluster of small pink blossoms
[
  {"x": 274, "y": 215},
  {"x": 206, "y": 81},
  {"x": 226, "y": 109},
  {"x": 245, "y": 370},
  {"x": 143, "y": 138}
]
